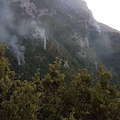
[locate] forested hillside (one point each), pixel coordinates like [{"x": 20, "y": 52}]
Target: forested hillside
[
  {"x": 51, "y": 55},
  {"x": 50, "y": 98},
  {"x": 36, "y": 31}
]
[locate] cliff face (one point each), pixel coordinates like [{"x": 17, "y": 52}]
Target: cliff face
[{"x": 63, "y": 28}]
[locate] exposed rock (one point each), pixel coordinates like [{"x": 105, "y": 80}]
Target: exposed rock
[
  {"x": 28, "y": 6},
  {"x": 30, "y": 9},
  {"x": 82, "y": 54},
  {"x": 86, "y": 42},
  {"x": 81, "y": 42},
  {"x": 43, "y": 12},
  {"x": 36, "y": 34},
  {"x": 66, "y": 65}
]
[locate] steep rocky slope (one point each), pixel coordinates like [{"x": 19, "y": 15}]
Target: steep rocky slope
[{"x": 38, "y": 30}]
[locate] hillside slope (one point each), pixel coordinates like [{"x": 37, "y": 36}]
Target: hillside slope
[{"x": 36, "y": 31}]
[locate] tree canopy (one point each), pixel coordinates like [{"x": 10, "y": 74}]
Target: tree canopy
[{"x": 51, "y": 99}]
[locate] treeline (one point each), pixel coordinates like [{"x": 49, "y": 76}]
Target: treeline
[{"x": 51, "y": 99}]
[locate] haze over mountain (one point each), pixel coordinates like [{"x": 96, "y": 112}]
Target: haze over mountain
[{"x": 36, "y": 31}]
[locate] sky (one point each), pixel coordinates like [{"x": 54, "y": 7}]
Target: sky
[{"x": 106, "y": 11}]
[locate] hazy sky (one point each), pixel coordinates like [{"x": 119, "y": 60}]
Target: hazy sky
[{"x": 106, "y": 11}]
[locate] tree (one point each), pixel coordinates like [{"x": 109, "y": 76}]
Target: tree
[
  {"x": 80, "y": 93},
  {"x": 51, "y": 99},
  {"x": 6, "y": 76},
  {"x": 103, "y": 98},
  {"x": 53, "y": 88},
  {"x": 23, "y": 102},
  {"x": 71, "y": 116}
]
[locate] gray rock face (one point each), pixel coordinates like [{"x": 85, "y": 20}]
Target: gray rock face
[
  {"x": 72, "y": 10},
  {"x": 31, "y": 9},
  {"x": 80, "y": 41},
  {"x": 81, "y": 54},
  {"x": 66, "y": 65}
]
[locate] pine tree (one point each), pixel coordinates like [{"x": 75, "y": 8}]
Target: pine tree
[
  {"x": 23, "y": 102},
  {"x": 6, "y": 76},
  {"x": 71, "y": 116},
  {"x": 53, "y": 87},
  {"x": 103, "y": 99},
  {"x": 80, "y": 92}
]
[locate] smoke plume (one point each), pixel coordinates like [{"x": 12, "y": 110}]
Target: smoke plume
[
  {"x": 39, "y": 32},
  {"x": 14, "y": 31},
  {"x": 97, "y": 26}
]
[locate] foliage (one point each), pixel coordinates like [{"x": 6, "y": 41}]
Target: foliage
[
  {"x": 80, "y": 93},
  {"x": 51, "y": 99}
]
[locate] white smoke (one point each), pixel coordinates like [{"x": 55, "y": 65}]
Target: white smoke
[
  {"x": 45, "y": 42},
  {"x": 97, "y": 26},
  {"x": 14, "y": 31},
  {"x": 96, "y": 66},
  {"x": 18, "y": 50},
  {"x": 39, "y": 32}
]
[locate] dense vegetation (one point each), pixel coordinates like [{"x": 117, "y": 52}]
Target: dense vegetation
[
  {"x": 50, "y": 94},
  {"x": 51, "y": 99}
]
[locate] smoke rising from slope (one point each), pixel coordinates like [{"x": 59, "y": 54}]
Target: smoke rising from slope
[
  {"x": 13, "y": 32},
  {"x": 39, "y": 32},
  {"x": 97, "y": 26}
]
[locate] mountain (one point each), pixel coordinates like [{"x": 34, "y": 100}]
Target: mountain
[
  {"x": 36, "y": 31},
  {"x": 106, "y": 28}
]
